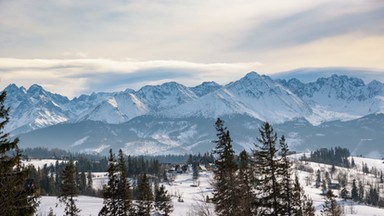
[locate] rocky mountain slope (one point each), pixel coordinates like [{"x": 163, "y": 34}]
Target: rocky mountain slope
[{"x": 173, "y": 118}]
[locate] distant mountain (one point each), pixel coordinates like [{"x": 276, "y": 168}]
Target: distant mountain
[{"x": 173, "y": 118}]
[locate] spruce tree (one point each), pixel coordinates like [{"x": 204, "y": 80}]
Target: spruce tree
[
  {"x": 269, "y": 170},
  {"x": 225, "y": 197},
  {"x": 330, "y": 206},
  {"x": 69, "y": 189},
  {"x": 89, "y": 189},
  {"x": 244, "y": 186},
  {"x": 110, "y": 191},
  {"x": 145, "y": 197},
  {"x": 286, "y": 184},
  {"x": 307, "y": 206},
  {"x": 318, "y": 179},
  {"x": 17, "y": 193},
  {"x": 302, "y": 204},
  {"x": 361, "y": 192},
  {"x": 354, "y": 191},
  {"x": 297, "y": 197},
  {"x": 124, "y": 188},
  {"x": 163, "y": 202}
]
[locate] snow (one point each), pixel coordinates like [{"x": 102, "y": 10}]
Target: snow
[
  {"x": 327, "y": 99},
  {"x": 192, "y": 192},
  {"x": 39, "y": 163},
  {"x": 80, "y": 141}
]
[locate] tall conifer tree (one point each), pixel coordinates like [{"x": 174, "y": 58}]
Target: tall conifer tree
[
  {"x": 69, "y": 189},
  {"x": 269, "y": 171},
  {"x": 330, "y": 207},
  {"x": 145, "y": 197},
  {"x": 163, "y": 202},
  {"x": 225, "y": 197},
  {"x": 17, "y": 192},
  {"x": 110, "y": 191},
  {"x": 124, "y": 188},
  {"x": 244, "y": 186}
]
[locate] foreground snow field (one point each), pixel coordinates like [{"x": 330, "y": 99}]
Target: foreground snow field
[{"x": 192, "y": 192}]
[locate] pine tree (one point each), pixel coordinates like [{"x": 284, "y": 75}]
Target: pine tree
[
  {"x": 110, "y": 191},
  {"x": 318, "y": 179},
  {"x": 354, "y": 191},
  {"x": 69, "y": 189},
  {"x": 195, "y": 171},
  {"x": 330, "y": 207},
  {"x": 163, "y": 202},
  {"x": 124, "y": 188},
  {"x": 269, "y": 170},
  {"x": 145, "y": 197},
  {"x": 344, "y": 193},
  {"x": 302, "y": 204},
  {"x": 89, "y": 189},
  {"x": 17, "y": 193},
  {"x": 244, "y": 186},
  {"x": 307, "y": 206},
  {"x": 286, "y": 184},
  {"x": 297, "y": 197},
  {"x": 353, "y": 165},
  {"x": 225, "y": 197},
  {"x": 361, "y": 192}
]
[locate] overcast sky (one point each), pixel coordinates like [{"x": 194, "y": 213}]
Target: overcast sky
[{"x": 72, "y": 47}]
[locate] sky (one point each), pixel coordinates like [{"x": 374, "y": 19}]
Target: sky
[{"x": 78, "y": 47}]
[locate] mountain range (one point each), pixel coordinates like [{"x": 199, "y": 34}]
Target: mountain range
[{"x": 173, "y": 118}]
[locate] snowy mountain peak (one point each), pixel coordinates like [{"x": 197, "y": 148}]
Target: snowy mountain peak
[
  {"x": 205, "y": 88},
  {"x": 252, "y": 76},
  {"x": 33, "y": 89}
]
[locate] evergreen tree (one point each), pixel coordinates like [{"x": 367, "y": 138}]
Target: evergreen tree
[
  {"x": 297, "y": 197},
  {"x": 344, "y": 193},
  {"x": 245, "y": 189},
  {"x": 318, "y": 179},
  {"x": 324, "y": 187},
  {"x": 195, "y": 171},
  {"x": 89, "y": 189},
  {"x": 110, "y": 191},
  {"x": 82, "y": 183},
  {"x": 145, "y": 197},
  {"x": 17, "y": 193},
  {"x": 307, "y": 206},
  {"x": 330, "y": 207},
  {"x": 302, "y": 204},
  {"x": 269, "y": 170},
  {"x": 286, "y": 184},
  {"x": 124, "y": 188},
  {"x": 225, "y": 197},
  {"x": 163, "y": 202},
  {"x": 354, "y": 191},
  {"x": 69, "y": 189},
  {"x": 361, "y": 192}
]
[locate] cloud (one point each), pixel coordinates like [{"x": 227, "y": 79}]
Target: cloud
[
  {"x": 72, "y": 77},
  {"x": 74, "y": 47}
]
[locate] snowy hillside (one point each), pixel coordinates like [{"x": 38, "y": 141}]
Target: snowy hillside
[{"x": 193, "y": 196}]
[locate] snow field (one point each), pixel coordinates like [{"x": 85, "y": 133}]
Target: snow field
[{"x": 192, "y": 195}]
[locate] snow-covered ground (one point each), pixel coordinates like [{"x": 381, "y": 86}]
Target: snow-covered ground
[
  {"x": 39, "y": 163},
  {"x": 193, "y": 191}
]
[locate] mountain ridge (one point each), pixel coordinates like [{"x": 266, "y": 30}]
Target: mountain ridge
[{"x": 337, "y": 97}]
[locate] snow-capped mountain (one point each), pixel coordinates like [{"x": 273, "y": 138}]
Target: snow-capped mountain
[
  {"x": 338, "y": 97},
  {"x": 173, "y": 118},
  {"x": 276, "y": 101},
  {"x": 34, "y": 108}
]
